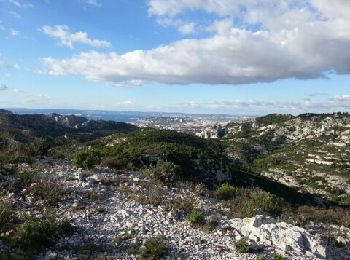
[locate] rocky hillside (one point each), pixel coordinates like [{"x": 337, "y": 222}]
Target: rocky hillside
[
  {"x": 310, "y": 152},
  {"x": 93, "y": 190},
  {"x": 123, "y": 215},
  {"x": 27, "y": 127}
]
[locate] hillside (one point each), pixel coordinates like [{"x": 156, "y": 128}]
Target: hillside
[
  {"x": 310, "y": 152},
  {"x": 25, "y": 136},
  {"x": 74, "y": 188},
  {"x": 28, "y": 126}
]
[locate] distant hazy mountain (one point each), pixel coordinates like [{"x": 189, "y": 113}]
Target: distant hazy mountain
[{"x": 121, "y": 116}]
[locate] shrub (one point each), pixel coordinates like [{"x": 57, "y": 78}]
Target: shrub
[
  {"x": 249, "y": 203},
  {"x": 243, "y": 246},
  {"x": 267, "y": 202},
  {"x": 116, "y": 163},
  {"x": 5, "y": 215},
  {"x": 27, "y": 177},
  {"x": 86, "y": 159},
  {"x": 164, "y": 171},
  {"x": 49, "y": 192},
  {"x": 184, "y": 204},
  {"x": 155, "y": 195},
  {"x": 40, "y": 146},
  {"x": 154, "y": 248},
  {"x": 337, "y": 216},
  {"x": 196, "y": 218},
  {"x": 31, "y": 236},
  {"x": 225, "y": 192}
]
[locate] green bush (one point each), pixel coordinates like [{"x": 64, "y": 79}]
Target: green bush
[
  {"x": 5, "y": 215},
  {"x": 154, "y": 248},
  {"x": 225, "y": 192},
  {"x": 243, "y": 246},
  {"x": 249, "y": 203},
  {"x": 40, "y": 146},
  {"x": 86, "y": 159},
  {"x": 164, "y": 171},
  {"x": 31, "y": 236},
  {"x": 267, "y": 202},
  {"x": 116, "y": 163},
  {"x": 196, "y": 218}
]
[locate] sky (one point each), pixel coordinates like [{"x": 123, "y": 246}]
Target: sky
[{"x": 195, "y": 56}]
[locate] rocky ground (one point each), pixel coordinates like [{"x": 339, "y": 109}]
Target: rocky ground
[{"x": 113, "y": 211}]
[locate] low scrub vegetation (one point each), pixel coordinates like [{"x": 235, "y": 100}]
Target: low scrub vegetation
[
  {"x": 27, "y": 177},
  {"x": 5, "y": 215},
  {"x": 32, "y": 236},
  {"x": 250, "y": 202},
  {"x": 306, "y": 214},
  {"x": 184, "y": 204},
  {"x": 196, "y": 218},
  {"x": 86, "y": 159},
  {"x": 49, "y": 192},
  {"x": 154, "y": 248},
  {"x": 243, "y": 246},
  {"x": 164, "y": 172},
  {"x": 225, "y": 192}
]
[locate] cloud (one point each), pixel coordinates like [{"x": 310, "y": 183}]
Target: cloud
[
  {"x": 5, "y": 66},
  {"x": 92, "y": 2},
  {"x": 3, "y": 87},
  {"x": 20, "y": 4},
  {"x": 182, "y": 26},
  {"x": 175, "y": 7},
  {"x": 341, "y": 99},
  {"x": 62, "y": 33},
  {"x": 126, "y": 103},
  {"x": 276, "y": 40},
  {"x": 14, "y": 33},
  {"x": 262, "y": 107}
]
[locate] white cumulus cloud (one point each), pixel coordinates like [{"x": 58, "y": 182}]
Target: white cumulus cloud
[
  {"x": 182, "y": 26},
  {"x": 278, "y": 40},
  {"x": 63, "y": 34}
]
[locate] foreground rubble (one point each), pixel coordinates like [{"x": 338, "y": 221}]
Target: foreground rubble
[{"x": 109, "y": 221}]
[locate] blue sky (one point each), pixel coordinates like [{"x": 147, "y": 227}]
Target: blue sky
[{"x": 197, "y": 56}]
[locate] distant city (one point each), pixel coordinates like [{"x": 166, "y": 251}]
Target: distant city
[{"x": 203, "y": 125}]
